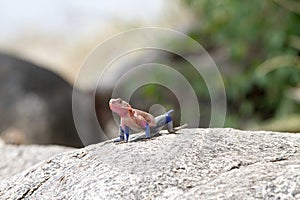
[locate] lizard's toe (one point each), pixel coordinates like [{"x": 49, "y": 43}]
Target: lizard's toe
[{"x": 119, "y": 139}]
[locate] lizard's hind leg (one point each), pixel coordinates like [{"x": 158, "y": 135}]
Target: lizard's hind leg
[
  {"x": 169, "y": 121},
  {"x": 163, "y": 120}
]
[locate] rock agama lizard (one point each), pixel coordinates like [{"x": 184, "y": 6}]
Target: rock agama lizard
[{"x": 138, "y": 120}]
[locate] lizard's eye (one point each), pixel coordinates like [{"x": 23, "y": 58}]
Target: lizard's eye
[{"x": 124, "y": 104}]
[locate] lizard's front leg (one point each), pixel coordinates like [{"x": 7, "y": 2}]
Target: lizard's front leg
[
  {"x": 147, "y": 131},
  {"x": 124, "y": 134}
]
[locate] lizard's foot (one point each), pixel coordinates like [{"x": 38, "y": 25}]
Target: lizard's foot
[
  {"x": 120, "y": 139},
  {"x": 170, "y": 126}
]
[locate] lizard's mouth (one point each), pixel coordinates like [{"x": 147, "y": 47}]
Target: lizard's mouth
[{"x": 112, "y": 106}]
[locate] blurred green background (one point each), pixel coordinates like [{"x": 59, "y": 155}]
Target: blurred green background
[
  {"x": 256, "y": 46},
  {"x": 262, "y": 41}
]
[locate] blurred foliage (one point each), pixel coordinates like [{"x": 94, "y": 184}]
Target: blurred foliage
[
  {"x": 259, "y": 43},
  {"x": 262, "y": 38}
]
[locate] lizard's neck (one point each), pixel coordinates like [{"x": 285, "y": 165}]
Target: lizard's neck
[{"x": 122, "y": 114}]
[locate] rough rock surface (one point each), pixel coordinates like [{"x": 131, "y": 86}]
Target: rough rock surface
[
  {"x": 15, "y": 159},
  {"x": 193, "y": 164}
]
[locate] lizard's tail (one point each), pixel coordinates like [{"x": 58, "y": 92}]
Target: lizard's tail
[{"x": 169, "y": 112}]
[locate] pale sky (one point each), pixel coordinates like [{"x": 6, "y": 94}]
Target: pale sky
[
  {"x": 59, "y": 34},
  {"x": 69, "y": 15}
]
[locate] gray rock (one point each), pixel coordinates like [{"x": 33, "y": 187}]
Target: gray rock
[
  {"x": 36, "y": 107},
  {"x": 193, "y": 164},
  {"x": 15, "y": 159}
]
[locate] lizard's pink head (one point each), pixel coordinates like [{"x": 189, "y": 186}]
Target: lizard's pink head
[{"x": 119, "y": 106}]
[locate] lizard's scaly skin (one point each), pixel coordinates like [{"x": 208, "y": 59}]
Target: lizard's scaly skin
[
  {"x": 139, "y": 120},
  {"x": 133, "y": 118}
]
